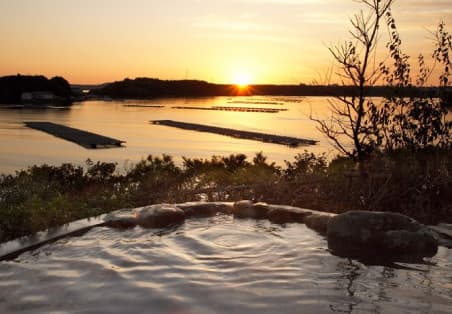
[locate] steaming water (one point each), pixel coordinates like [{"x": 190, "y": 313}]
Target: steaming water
[
  {"x": 215, "y": 265},
  {"x": 22, "y": 147}
]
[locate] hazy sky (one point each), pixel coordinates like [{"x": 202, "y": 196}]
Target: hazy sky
[{"x": 274, "y": 41}]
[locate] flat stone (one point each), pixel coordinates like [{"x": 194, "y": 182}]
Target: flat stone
[
  {"x": 443, "y": 229},
  {"x": 248, "y": 209},
  {"x": 203, "y": 209},
  {"x": 318, "y": 222},
  {"x": 160, "y": 216},
  {"x": 280, "y": 214},
  {"x": 359, "y": 233},
  {"x": 123, "y": 218}
]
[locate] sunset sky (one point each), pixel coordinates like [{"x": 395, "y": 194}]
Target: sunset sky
[{"x": 267, "y": 41}]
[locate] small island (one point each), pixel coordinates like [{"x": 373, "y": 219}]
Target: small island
[{"x": 34, "y": 90}]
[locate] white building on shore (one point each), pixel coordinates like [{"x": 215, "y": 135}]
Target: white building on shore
[{"x": 38, "y": 97}]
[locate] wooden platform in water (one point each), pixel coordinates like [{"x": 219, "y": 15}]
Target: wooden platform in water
[
  {"x": 255, "y": 102},
  {"x": 80, "y": 137},
  {"x": 145, "y": 106},
  {"x": 255, "y": 136},
  {"x": 231, "y": 108}
]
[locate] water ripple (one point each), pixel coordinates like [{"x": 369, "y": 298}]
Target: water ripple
[{"x": 214, "y": 265}]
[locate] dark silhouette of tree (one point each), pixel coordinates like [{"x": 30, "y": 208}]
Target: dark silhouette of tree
[
  {"x": 418, "y": 121},
  {"x": 349, "y": 121}
]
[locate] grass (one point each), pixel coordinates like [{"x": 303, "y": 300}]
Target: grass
[{"x": 417, "y": 184}]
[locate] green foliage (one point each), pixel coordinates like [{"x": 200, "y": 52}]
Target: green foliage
[
  {"x": 232, "y": 177},
  {"x": 152, "y": 180},
  {"x": 306, "y": 164}
]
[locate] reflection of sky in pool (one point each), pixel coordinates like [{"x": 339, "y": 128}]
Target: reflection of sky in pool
[{"x": 215, "y": 265}]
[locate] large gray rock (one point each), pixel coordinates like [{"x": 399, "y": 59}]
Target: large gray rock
[
  {"x": 160, "y": 216},
  {"x": 248, "y": 209},
  {"x": 379, "y": 234}
]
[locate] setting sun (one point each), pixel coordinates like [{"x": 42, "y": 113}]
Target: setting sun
[{"x": 242, "y": 79}]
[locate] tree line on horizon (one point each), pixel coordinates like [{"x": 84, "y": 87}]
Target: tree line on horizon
[{"x": 151, "y": 87}]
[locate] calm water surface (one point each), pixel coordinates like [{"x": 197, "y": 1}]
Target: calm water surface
[
  {"x": 215, "y": 265},
  {"x": 22, "y": 147}
]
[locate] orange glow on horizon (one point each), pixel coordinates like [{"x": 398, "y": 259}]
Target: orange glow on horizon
[
  {"x": 242, "y": 79},
  {"x": 267, "y": 42}
]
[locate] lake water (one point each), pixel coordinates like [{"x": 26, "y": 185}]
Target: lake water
[
  {"x": 215, "y": 265},
  {"x": 22, "y": 147}
]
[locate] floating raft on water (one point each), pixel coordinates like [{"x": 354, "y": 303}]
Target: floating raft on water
[
  {"x": 248, "y": 109},
  {"x": 35, "y": 107},
  {"x": 230, "y": 108},
  {"x": 145, "y": 106},
  {"x": 83, "y": 138},
  {"x": 255, "y": 102},
  {"x": 255, "y": 136}
]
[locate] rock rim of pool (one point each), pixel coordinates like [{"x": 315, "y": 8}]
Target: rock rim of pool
[
  {"x": 354, "y": 234},
  {"x": 362, "y": 235}
]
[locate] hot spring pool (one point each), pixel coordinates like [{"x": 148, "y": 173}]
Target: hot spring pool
[{"x": 215, "y": 265}]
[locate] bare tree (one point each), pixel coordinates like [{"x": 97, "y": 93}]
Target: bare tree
[{"x": 351, "y": 119}]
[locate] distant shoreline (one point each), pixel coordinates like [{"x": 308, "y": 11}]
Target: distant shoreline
[{"x": 146, "y": 88}]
